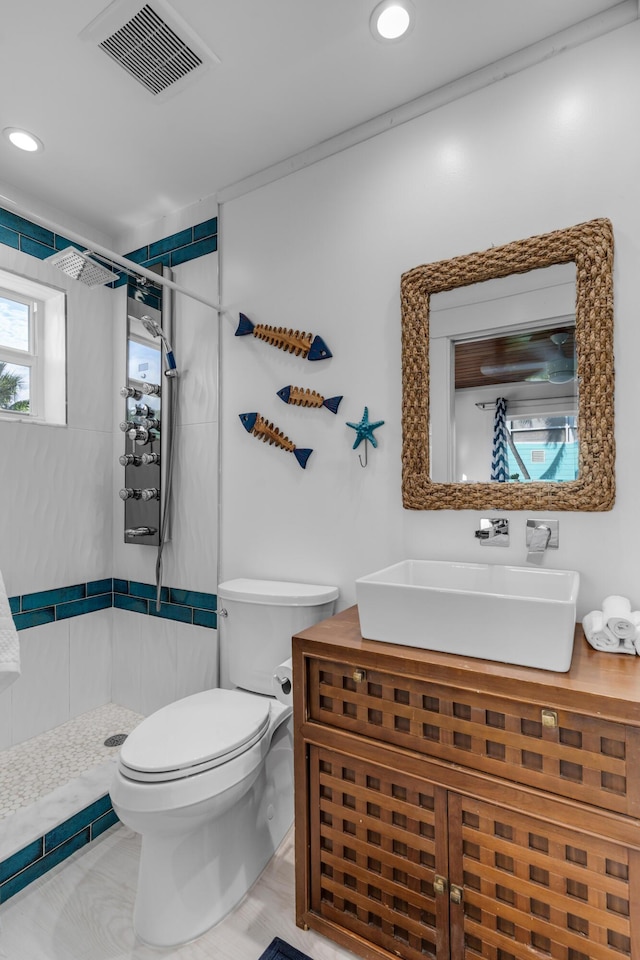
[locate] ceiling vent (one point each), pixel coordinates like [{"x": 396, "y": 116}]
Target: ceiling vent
[{"x": 152, "y": 43}]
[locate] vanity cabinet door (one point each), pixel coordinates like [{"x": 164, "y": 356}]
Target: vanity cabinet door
[
  {"x": 534, "y": 889},
  {"x": 378, "y": 855},
  {"x": 406, "y": 868}
]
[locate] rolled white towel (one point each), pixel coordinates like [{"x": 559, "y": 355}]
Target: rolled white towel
[
  {"x": 616, "y": 613},
  {"x": 599, "y": 635},
  {"x": 635, "y": 618}
]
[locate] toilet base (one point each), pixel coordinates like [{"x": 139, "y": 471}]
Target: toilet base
[{"x": 190, "y": 880}]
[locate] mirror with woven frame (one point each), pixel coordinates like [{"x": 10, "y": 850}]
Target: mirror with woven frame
[{"x": 589, "y": 246}]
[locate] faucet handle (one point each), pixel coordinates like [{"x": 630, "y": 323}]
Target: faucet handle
[
  {"x": 533, "y": 531},
  {"x": 493, "y": 532}
]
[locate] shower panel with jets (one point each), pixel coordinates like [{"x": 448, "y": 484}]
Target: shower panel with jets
[{"x": 149, "y": 396}]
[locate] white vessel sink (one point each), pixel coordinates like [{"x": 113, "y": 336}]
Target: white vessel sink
[{"x": 518, "y": 615}]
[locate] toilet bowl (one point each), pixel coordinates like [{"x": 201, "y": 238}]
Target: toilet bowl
[
  {"x": 208, "y": 780},
  {"x": 207, "y": 830}
]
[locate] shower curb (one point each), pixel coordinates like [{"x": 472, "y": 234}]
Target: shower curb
[{"x": 54, "y": 846}]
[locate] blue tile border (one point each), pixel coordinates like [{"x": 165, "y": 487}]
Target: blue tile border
[
  {"x": 47, "y": 606},
  {"x": 39, "y": 856},
  {"x": 188, "y": 244},
  {"x": 46, "y": 598},
  {"x": 179, "y": 247}
]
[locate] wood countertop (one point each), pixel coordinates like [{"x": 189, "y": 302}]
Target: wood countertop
[{"x": 600, "y": 684}]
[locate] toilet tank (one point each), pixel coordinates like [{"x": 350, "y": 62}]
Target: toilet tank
[{"x": 259, "y": 619}]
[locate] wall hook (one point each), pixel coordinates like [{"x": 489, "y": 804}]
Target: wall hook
[{"x": 364, "y": 431}]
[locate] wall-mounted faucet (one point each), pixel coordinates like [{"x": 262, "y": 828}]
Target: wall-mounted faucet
[
  {"x": 493, "y": 533},
  {"x": 540, "y": 536}
]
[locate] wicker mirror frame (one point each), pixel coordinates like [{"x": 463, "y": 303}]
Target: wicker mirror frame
[{"x": 590, "y": 247}]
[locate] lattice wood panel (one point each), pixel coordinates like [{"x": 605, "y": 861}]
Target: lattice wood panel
[
  {"x": 378, "y": 839},
  {"x": 534, "y": 890},
  {"x": 584, "y": 758}
]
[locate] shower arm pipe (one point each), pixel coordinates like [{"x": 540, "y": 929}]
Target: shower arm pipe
[{"x": 101, "y": 251}]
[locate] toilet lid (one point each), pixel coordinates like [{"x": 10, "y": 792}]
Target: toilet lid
[{"x": 194, "y": 734}]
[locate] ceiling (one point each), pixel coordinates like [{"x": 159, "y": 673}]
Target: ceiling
[
  {"x": 291, "y": 74},
  {"x": 541, "y": 355}
]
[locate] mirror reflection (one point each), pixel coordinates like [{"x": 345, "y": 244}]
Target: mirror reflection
[
  {"x": 510, "y": 341},
  {"x": 507, "y": 376}
]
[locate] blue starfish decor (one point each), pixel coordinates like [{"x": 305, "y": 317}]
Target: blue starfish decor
[{"x": 364, "y": 429}]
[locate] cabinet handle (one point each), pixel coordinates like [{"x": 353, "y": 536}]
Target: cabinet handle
[
  {"x": 439, "y": 884},
  {"x": 359, "y": 675},
  {"x": 549, "y": 719},
  {"x": 456, "y": 893}
]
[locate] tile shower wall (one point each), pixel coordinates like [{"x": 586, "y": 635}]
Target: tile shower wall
[
  {"x": 187, "y": 606},
  {"x": 73, "y": 660},
  {"x": 66, "y": 669},
  {"x": 39, "y": 242},
  {"x": 84, "y": 644}
]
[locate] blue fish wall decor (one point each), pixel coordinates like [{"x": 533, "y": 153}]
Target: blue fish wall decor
[
  {"x": 292, "y": 341},
  {"x": 261, "y": 428},
  {"x": 308, "y": 398}
]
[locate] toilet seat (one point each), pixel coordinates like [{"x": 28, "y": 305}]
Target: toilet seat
[{"x": 195, "y": 734}]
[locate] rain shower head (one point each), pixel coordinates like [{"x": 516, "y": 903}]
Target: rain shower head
[{"x": 80, "y": 266}]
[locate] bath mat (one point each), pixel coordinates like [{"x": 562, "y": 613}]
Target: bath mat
[{"x": 279, "y": 950}]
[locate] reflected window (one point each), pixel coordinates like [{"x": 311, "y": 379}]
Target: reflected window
[
  {"x": 145, "y": 361},
  {"x": 543, "y": 448}
]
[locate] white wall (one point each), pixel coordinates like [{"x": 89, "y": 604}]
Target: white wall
[{"x": 323, "y": 251}]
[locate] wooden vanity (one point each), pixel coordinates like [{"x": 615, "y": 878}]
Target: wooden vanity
[{"x": 454, "y": 807}]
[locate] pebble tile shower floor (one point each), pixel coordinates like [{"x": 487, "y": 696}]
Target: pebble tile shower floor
[{"x": 32, "y": 769}]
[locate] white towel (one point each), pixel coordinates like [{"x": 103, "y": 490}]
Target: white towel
[
  {"x": 5, "y": 609},
  {"x": 599, "y": 635},
  {"x": 9, "y": 643},
  {"x": 616, "y": 613}
]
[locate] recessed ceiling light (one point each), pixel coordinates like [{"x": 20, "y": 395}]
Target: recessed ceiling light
[
  {"x": 23, "y": 139},
  {"x": 392, "y": 19}
]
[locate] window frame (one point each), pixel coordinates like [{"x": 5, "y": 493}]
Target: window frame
[{"x": 46, "y": 357}]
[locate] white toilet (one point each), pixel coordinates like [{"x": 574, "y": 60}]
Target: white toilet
[{"x": 208, "y": 781}]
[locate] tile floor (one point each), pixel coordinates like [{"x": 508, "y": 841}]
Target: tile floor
[
  {"x": 49, "y": 778},
  {"x": 36, "y": 767},
  {"x": 82, "y": 910}
]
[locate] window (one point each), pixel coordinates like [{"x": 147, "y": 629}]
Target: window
[
  {"x": 32, "y": 350},
  {"x": 18, "y": 360}
]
